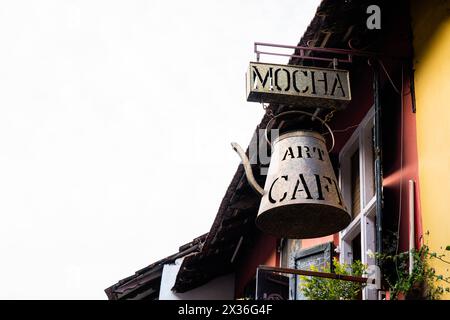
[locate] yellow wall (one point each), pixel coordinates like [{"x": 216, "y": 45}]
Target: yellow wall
[{"x": 431, "y": 32}]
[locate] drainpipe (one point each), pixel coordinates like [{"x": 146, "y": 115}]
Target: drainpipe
[
  {"x": 378, "y": 160},
  {"x": 411, "y": 225}
]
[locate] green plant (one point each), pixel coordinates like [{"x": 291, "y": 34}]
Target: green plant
[
  {"x": 316, "y": 288},
  {"x": 422, "y": 282}
]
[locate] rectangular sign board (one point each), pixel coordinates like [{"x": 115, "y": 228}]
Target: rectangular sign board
[{"x": 297, "y": 85}]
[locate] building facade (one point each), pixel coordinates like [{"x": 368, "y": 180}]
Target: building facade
[{"x": 390, "y": 156}]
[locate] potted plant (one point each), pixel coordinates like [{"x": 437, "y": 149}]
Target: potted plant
[{"x": 423, "y": 283}]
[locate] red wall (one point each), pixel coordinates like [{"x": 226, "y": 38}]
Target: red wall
[
  {"x": 398, "y": 168},
  {"x": 264, "y": 252},
  {"x": 398, "y": 171}
]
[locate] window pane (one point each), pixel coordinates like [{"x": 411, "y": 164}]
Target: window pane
[
  {"x": 355, "y": 183},
  {"x": 356, "y": 248},
  {"x": 318, "y": 260}
]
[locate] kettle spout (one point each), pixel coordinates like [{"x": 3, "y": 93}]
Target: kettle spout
[{"x": 247, "y": 168}]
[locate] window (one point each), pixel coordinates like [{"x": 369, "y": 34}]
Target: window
[
  {"x": 356, "y": 178},
  {"x": 319, "y": 256}
]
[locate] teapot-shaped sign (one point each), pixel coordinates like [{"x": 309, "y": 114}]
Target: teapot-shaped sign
[{"x": 301, "y": 197}]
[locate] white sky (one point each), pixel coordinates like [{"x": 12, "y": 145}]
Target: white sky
[{"x": 116, "y": 119}]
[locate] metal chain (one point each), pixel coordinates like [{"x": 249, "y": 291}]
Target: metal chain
[
  {"x": 330, "y": 115},
  {"x": 268, "y": 111}
]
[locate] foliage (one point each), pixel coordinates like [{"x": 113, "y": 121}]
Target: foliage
[
  {"x": 317, "y": 288},
  {"x": 422, "y": 282}
]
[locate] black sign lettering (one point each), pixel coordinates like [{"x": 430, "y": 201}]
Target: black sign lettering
[
  {"x": 271, "y": 199},
  {"x": 304, "y": 152},
  {"x": 258, "y": 75},
  {"x": 271, "y": 82},
  {"x": 337, "y": 81},
  {"x": 304, "y": 185}
]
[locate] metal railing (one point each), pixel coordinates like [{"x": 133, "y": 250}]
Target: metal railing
[
  {"x": 318, "y": 274},
  {"x": 337, "y": 55},
  {"x": 280, "y": 288}
]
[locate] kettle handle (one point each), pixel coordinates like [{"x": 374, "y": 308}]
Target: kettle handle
[
  {"x": 270, "y": 124},
  {"x": 248, "y": 169}
]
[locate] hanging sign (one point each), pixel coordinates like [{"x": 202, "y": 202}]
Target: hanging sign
[{"x": 297, "y": 85}]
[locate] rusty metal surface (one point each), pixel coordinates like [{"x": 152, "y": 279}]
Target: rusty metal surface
[{"x": 301, "y": 194}]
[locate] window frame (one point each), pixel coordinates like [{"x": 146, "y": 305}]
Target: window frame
[{"x": 364, "y": 222}]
